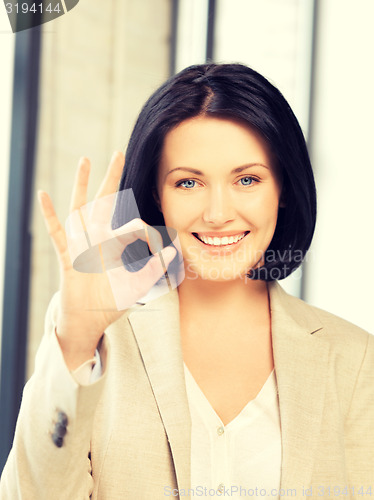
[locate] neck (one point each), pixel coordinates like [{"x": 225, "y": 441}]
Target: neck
[{"x": 211, "y": 296}]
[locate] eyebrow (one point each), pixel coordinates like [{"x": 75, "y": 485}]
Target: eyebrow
[{"x": 236, "y": 170}]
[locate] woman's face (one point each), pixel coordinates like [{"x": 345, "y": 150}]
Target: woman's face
[{"x": 217, "y": 186}]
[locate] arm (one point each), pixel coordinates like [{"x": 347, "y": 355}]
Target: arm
[
  {"x": 37, "y": 468},
  {"x": 359, "y": 426},
  {"x": 90, "y": 371},
  {"x": 46, "y": 463}
]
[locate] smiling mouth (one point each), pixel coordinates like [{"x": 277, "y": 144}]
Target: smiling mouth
[{"x": 220, "y": 242}]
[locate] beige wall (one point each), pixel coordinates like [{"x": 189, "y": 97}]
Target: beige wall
[{"x": 99, "y": 65}]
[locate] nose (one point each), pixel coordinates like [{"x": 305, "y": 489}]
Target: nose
[{"x": 219, "y": 208}]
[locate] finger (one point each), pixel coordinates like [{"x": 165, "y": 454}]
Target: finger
[
  {"x": 138, "y": 229},
  {"x": 113, "y": 174},
  {"x": 112, "y": 248},
  {"x": 154, "y": 238},
  {"x": 97, "y": 214},
  {"x": 127, "y": 287},
  {"x": 79, "y": 194},
  {"x": 100, "y": 210},
  {"x": 104, "y": 247},
  {"x": 54, "y": 229},
  {"x": 155, "y": 267}
]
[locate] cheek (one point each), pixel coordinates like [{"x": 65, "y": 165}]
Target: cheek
[
  {"x": 262, "y": 210},
  {"x": 167, "y": 214},
  {"x": 177, "y": 211}
]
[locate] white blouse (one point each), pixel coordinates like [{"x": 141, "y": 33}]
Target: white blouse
[{"x": 241, "y": 459}]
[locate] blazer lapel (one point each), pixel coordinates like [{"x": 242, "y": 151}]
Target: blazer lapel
[
  {"x": 156, "y": 329},
  {"x": 301, "y": 353}
]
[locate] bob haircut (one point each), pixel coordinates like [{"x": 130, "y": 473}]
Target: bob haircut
[{"x": 235, "y": 92}]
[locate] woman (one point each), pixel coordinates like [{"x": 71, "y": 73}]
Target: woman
[{"x": 226, "y": 385}]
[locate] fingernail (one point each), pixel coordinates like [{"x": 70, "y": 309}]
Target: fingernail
[{"x": 40, "y": 194}]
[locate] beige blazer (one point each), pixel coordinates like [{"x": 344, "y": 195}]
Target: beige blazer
[{"x": 131, "y": 428}]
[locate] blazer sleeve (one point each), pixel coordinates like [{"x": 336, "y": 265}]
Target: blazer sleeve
[
  {"x": 50, "y": 456},
  {"x": 359, "y": 427}
]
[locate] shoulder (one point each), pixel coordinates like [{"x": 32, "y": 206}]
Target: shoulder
[
  {"x": 336, "y": 322},
  {"x": 351, "y": 348},
  {"x": 345, "y": 336},
  {"x": 341, "y": 334},
  {"x": 333, "y": 322}
]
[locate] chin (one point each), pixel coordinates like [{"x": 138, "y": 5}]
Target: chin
[{"x": 219, "y": 274}]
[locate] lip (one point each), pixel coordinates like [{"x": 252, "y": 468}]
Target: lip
[
  {"x": 224, "y": 249},
  {"x": 219, "y": 234}
]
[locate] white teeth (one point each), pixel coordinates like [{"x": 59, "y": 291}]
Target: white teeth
[{"x": 226, "y": 240}]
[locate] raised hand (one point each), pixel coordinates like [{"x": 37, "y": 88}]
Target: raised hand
[{"x": 90, "y": 301}]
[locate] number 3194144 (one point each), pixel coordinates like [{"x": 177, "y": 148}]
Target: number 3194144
[{"x": 25, "y": 8}]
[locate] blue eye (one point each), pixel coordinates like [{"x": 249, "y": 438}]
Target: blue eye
[
  {"x": 247, "y": 181},
  {"x": 188, "y": 183}
]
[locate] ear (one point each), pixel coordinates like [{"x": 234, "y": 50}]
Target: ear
[{"x": 156, "y": 198}]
